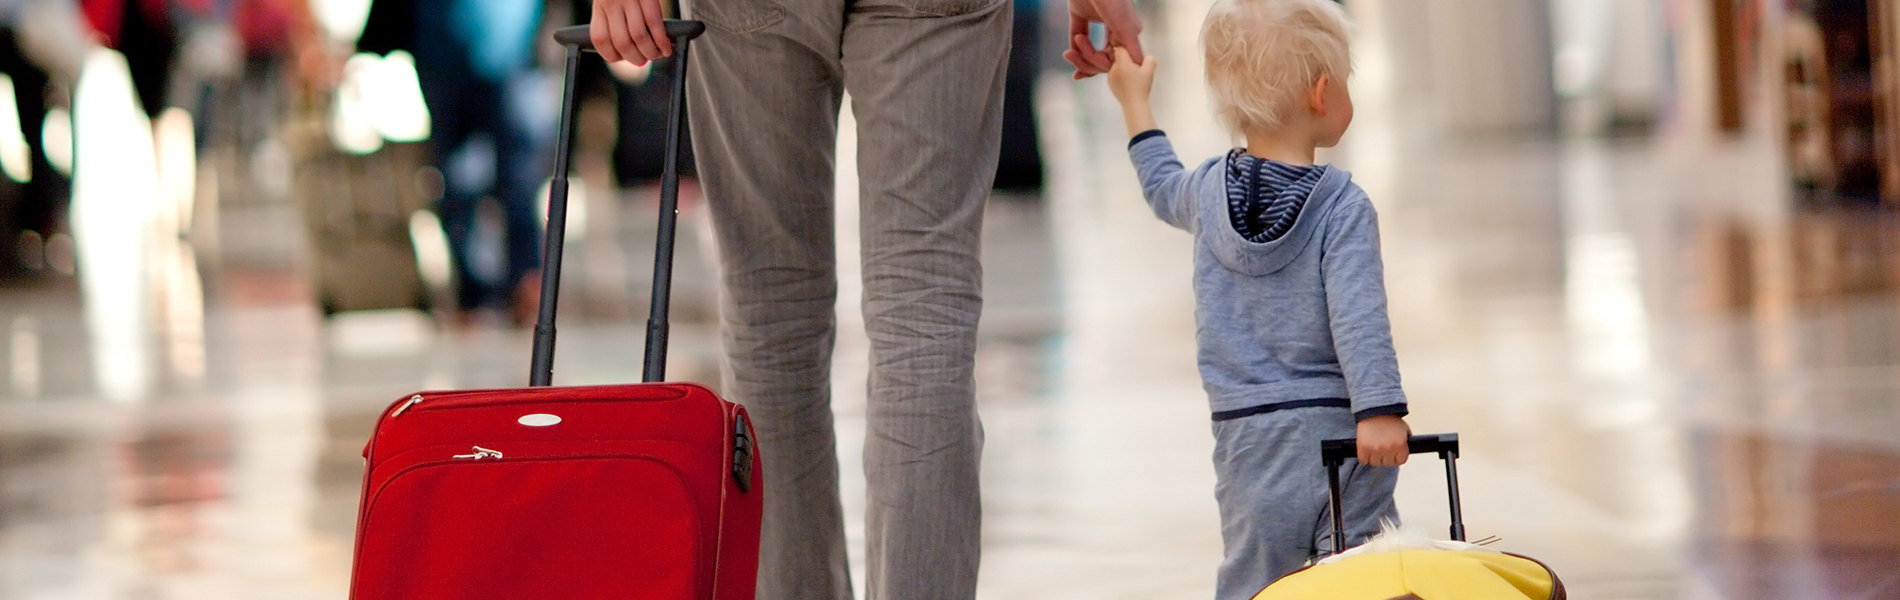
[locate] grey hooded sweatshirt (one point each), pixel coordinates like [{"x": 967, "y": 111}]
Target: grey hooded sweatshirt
[{"x": 1293, "y": 322}]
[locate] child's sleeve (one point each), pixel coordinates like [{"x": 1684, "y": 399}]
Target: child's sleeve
[
  {"x": 1354, "y": 278},
  {"x": 1166, "y": 185}
]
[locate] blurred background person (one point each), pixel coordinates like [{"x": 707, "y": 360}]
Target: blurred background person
[
  {"x": 475, "y": 61},
  {"x": 143, "y": 31},
  {"x": 41, "y": 48}
]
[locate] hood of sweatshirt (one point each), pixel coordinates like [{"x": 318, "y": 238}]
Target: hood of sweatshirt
[{"x": 1264, "y": 258}]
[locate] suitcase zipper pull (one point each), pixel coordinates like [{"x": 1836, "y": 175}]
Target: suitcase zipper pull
[
  {"x": 413, "y": 400},
  {"x": 479, "y": 453}
]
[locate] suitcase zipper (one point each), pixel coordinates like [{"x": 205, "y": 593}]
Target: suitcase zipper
[
  {"x": 413, "y": 400},
  {"x": 479, "y": 453}
]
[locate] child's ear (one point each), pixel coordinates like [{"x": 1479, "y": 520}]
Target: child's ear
[{"x": 1317, "y": 100}]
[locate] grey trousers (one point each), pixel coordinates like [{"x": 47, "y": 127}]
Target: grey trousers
[
  {"x": 1271, "y": 488},
  {"x": 926, "y": 81}
]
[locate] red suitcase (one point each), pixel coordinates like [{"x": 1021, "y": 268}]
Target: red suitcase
[{"x": 643, "y": 491}]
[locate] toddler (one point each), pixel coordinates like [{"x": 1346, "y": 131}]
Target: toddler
[{"x": 1290, "y": 319}]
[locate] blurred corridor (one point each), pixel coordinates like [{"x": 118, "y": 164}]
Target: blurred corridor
[{"x": 1643, "y": 255}]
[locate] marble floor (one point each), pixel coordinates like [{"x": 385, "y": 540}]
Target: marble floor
[{"x": 1671, "y": 380}]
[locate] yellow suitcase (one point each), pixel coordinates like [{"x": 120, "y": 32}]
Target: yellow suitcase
[{"x": 1398, "y": 569}]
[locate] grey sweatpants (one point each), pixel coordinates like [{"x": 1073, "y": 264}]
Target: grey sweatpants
[
  {"x": 1271, "y": 487},
  {"x": 926, "y": 83}
]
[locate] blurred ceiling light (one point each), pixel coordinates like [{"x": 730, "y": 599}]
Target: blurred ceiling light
[
  {"x": 115, "y": 193},
  {"x": 56, "y": 139},
  {"x": 341, "y": 20},
  {"x": 394, "y": 95},
  {"x": 16, "y": 157},
  {"x": 350, "y": 126},
  {"x": 177, "y": 171},
  {"x": 379, "y": 98},
  {"x": 432, "y": 249}
]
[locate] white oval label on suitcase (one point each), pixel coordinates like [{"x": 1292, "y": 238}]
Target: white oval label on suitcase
[{"x": 538, "y": 420}]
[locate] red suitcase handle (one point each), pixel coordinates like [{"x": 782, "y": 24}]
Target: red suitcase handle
[{"x": 577, "y": 40}]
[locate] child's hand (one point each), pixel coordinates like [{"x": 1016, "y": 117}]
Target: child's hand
[
  {"x": 1131, "y": 81},
  {"x": 1382, "y": 441}
]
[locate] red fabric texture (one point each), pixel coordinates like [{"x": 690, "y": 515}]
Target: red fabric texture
[
  {"x": 264, "y": 25},
  {"x": 630, "y": 496},
  {"x": 105, "y": 17}
]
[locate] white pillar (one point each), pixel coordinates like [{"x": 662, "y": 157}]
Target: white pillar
[{"x": 1491, "y": 66}]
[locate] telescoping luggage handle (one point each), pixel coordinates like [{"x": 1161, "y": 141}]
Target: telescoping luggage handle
[
  {"x": 577, "y": 40},
  {"x": 1335, "y": 453}
]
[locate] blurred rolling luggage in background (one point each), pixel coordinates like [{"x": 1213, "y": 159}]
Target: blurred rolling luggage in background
[
  {"x": 1395, "y": 566},
  {"x": 357, "y": 209},
  {"x": 650, "y": 490}
]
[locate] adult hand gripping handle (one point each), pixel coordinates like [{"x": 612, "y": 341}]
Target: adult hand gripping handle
[{"x": 579, "y": 35}]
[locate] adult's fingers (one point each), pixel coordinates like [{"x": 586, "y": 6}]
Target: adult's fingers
[
  {"x": 1081, "y": 66},
  {"x": 599, "y": 28},
  {"x": 1132, "y": 41},
  {"x": 637, "y": 30},
  {"x": 1099, "y": 59},
  {"x": 1123, "y": 24},
  {"x": 656, "y": 28},
  {"x": 1080, "y": 56},
  {"x": 1078, "y": 46},
  {"x": 622, "y": 43}
]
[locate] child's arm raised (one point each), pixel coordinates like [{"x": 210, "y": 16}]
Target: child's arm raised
[
  {"x": 1164, "y": 182},
  {"x": 1131, "y": 83}
]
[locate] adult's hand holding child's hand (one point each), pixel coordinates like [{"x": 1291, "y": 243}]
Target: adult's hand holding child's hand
[
  {"x": 1383, "y": 441},
  {"x": 1124, "y": 30},
  {"x": 1129, "y": 80},
  {"x": 630, "y": 30}
]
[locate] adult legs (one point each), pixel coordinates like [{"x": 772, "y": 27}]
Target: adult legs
[
  {"x": 926, "y": 79},
  {"x": 452, "y": 127},
  {"x": 454, "y": 114},
  {"x": 765, "y": 90},
  {"x": 521, "y": 138}
]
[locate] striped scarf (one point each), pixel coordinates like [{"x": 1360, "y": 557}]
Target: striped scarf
[{"x": 1264, "y": 196}]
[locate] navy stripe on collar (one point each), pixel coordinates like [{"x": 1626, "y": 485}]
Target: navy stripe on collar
[{"x": 1264, "y": 197}]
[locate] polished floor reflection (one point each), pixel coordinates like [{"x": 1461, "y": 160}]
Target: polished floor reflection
[{"x": 1671, "y": 381}]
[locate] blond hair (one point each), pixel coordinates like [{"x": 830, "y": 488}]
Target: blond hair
[{"x": 1263, "y": 57}]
